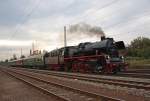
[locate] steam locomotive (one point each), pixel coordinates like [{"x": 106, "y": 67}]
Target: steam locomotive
[{"x": 99, "y": 57}]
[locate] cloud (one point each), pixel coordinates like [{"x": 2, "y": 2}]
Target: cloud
[
  {"x": 42, "y": 21},
  {"x": 12, "y": 12},
  {"x": 14, "y": 43}
]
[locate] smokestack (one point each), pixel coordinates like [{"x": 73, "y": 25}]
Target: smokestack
[
  {"x": 65, "y": 41},
  {"x": 103, "y": 38}
]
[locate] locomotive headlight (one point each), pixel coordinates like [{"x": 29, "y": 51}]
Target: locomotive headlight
[
  {"x": 122, "y": 58},
  {"x": 107, "y": 59}
]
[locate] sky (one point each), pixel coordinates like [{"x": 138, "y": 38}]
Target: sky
[{"x": 23, "y": 22}]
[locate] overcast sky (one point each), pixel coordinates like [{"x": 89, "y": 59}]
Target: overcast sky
[{"x": 23, "y": 22}]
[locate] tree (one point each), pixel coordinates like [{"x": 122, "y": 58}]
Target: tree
[
  {"x": 22, "y": 56},
  {"x": 140, "y": 47},
  {"x": 14, "y": 57},
  {"x": 140, "y": 43},
  {"x": 6, "y": 60}
]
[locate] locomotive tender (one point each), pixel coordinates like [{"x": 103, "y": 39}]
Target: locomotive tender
[{"x": 102, "y": 56}]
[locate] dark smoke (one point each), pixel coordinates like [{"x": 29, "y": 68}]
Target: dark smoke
[{"x": 86, "y": 29}]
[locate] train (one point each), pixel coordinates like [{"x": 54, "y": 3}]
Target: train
[{"x": 88, "y": 57}]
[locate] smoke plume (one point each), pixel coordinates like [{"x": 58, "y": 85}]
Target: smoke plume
[{"x": 86, "y": 29}]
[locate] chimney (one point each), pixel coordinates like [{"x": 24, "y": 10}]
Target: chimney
[
  {"x": 103, "y": 38},
  {"x": 30, "y": 52},
  {"x": 65, "y": 40}
]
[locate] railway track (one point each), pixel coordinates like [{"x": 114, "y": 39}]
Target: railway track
[
  {"x": 110, "y": 81},
  {"x": 60, "y": 91},
  {"x": 135, "y": 74},
  {"x": 147, "y": 71}
]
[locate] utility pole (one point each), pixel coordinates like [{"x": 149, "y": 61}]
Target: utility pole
[
  {"x": 21, "y": 52},
  {"x": 65, "y": 40},
  {"x": 33, "y": 47},
  {"x": 30, "y": 52}
]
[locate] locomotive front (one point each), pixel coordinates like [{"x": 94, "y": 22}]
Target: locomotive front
[
  {"x": 102, "y": 56},
  {"x": 113, "y": 62}
]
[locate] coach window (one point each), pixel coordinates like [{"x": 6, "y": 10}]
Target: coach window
[
  {"x": 60, "y": 53},
  {"x": 38, "y": 60},
  {"x": 63, "y": 52},
  {"x": 55, "y": 53}
]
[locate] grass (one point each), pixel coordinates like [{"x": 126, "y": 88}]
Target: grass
[{"x": 136, "y": 62}]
